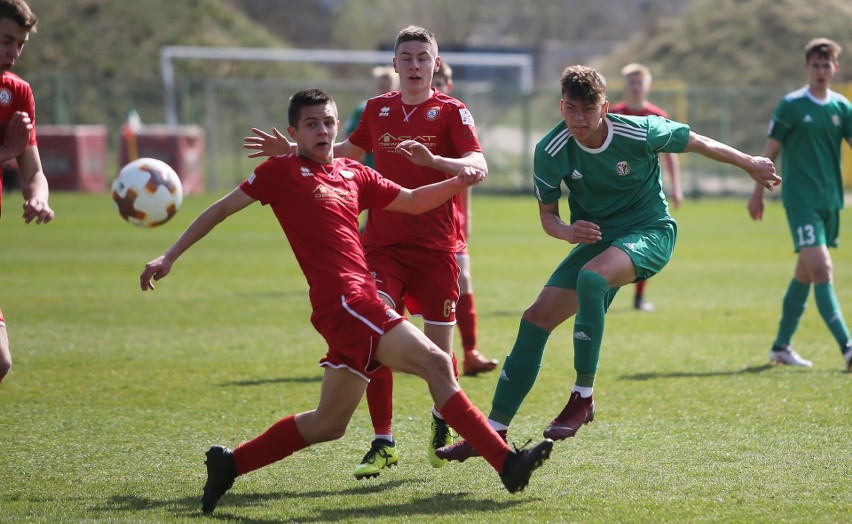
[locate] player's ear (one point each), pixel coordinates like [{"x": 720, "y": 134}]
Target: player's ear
[
  {"x": 437, "y": 64},
  {"x": 292, "y": 131}
]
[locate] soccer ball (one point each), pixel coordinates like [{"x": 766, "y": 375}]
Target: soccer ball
[{"x": 147, "y": 192}]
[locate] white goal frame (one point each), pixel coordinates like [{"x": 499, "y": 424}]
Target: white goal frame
[{"x": 169, "y": 54}]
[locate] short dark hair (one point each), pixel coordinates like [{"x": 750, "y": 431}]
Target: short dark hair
[
  {"x": 20, "y": 13},
  {"x": 415, "y": 33},
  {"x": 583, "y": 83},
  {"x": 305, "y": 98},
  {"x": 823, "y": 48}
]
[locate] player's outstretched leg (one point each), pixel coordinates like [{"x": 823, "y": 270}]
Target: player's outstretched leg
[
  {"x": 577, "y": 411},
  {"x": 221, "y": 472},
  {"x": 521, "y": 463},
  {"x": 382, "y": 455}
]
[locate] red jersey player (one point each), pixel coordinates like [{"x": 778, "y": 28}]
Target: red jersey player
[
  {"x": 316, "y": 199},
  {"x": 418, "y": 136},
  {"x": 17, "y": 131},
  {"x": 637, "y": 85}
]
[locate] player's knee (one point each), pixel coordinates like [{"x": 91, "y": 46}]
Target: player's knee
[
  {"x": 5, "y": 365},
  {"x": 331, "y": 428}
]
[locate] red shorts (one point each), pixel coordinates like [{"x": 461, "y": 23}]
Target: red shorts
[
  {"x": 352, "y": 328},
  {"x": 423, "y": 280}
]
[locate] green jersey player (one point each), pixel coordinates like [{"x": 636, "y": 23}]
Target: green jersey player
[
  {"x": 620, "y": 220},
  {"x": 808, "y": 127}
]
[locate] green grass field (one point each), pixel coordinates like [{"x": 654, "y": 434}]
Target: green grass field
[{"x": 115, "y": 394}]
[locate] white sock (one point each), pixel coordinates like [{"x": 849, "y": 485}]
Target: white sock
[
  {"x": 497, "y": 426},
  {"x": 584, "y": 392},
  {"x": 388, "y": 437},
  {"x": 435, "y": 412}
]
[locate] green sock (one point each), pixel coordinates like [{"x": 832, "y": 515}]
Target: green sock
[
  {"x": 791, "y": 311},
  {"x": 829, "y": 309},
  {"x": 592, "y": 295},
  {"x": 519, "y": 372}
]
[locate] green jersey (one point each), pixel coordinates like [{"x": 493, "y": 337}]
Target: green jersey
[
  {"x": 617, "y": 186},
  {"x": 811, "y": 132}
]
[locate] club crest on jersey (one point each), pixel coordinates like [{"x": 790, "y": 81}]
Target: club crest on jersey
[
  {"x": 5, "y": 97},
  {"x": 835, "y": 119},
  {"x": 432, "y": 113},
  {"x": 348, "y": 175},
  {"x": 622, "y": 168}
]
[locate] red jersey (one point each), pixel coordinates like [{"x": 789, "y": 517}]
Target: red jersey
[
  {"x": 622, "y": 108},
  {"x": 15, "y": 95},
  {"x": 445, "y": 126},
  {"x": 317, "y": 206}
]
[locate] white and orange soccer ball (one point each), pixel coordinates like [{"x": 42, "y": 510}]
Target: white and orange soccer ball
[{"x": 147, "y": 192}]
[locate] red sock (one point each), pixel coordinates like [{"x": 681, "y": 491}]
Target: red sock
[
  {"x": 380, "y": 400},
  {"x": 279, "y": 441},
  {"x": 472, "y": 425},
  {"x": 466, "y": 319},
  {"x": 640, "y": 289}
]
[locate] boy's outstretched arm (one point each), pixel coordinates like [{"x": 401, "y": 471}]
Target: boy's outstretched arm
[
  {"x": 759, "y": 168},
  {"x": 203, "y": 224}
]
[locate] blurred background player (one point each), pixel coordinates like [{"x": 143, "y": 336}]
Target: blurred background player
[
  {"x": 413, "y": 258},
  {"x": 473, "y": 363},
  {"x": 808, "y": 128},
  {"x": 386, "y": 80},
  {"x": 17, "y": 128},
  {"x": 637, "y": 86}
]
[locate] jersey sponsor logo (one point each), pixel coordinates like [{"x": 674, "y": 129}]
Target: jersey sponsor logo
[
  {"x": 466, "y": 117},
  {"x": 305, "y": 171},
  {"x": 576, "y": 175},
  {"x": 5, "y": 96},
  {"x": 329, "y": 196},
  {"x": 433, "y": 113},
  {"x": 622, "y": 168},
  {"x": 388, "y": 142},
  {"x": 384, "y": 111}
]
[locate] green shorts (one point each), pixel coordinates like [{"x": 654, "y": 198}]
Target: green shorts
[
  {"x": 649, "y": 248},
  {"x": 813, "y": 227}
]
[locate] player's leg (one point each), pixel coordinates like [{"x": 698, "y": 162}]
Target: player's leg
[
  {"x": 406, "y": 349},
  {"x": 432, "y": 293},
  {"x": 639, "y": 255},
  {"x": 5, "y": 352},
  {"x": 341, "y": 392},
  {"x": 474, "y": 362},
  {"x": 639, "y": 302},
  {"x": 792, "y": 309},
  {"x": 383, "y": 450},
  {"x": 819, "y": 262}
]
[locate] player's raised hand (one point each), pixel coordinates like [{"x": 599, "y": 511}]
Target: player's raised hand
[
  {"x": 762, "y": 171},
  {"x": 416, "y": 152},
  {"x": 155, "y": 269},
  {"x": 267, "y": 144}
]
